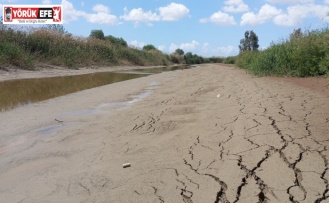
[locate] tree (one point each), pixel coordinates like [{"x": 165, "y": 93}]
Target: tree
[
  {"x": 98, "y": 34},
  {"x": 116, "y": 41},
  {"x": 193, "y": 58},
  {"x": 180, "y": 52},
  {"x": 253, "y": 41},
  {"x": 149, "y": 47},
  {"x": 250, "y": 42}
]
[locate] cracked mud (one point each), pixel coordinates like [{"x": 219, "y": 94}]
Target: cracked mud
[{"x": 263, "y": 140}]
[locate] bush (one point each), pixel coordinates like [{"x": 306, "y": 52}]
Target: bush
[
  {"x": 98, "y": 34},
  {"x": 177, "y": 58},
  {"x": 193, "y": 58},
  {"x": 149, "y": 47},
  {"x": 216, "y": 60},
  {"x": 301, "y": 55},
  {"x": 24, "y": 49},
  {"x": 116, "y": 41},
  {"x": 229, "y": 60}
]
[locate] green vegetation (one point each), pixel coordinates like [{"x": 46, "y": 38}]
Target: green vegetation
[
  {"x": 26, "y": 48},
  {"x": 216, "y": 60},
  {"x": 178, "y": 56},
  {"x": 303, "y": 54},
  {"x": 149, "y": 47},
  {"x": 116, "y": 41},
  {"x": 230, "y": 60},
  {"x": 250, "y": 42},
  {"x": 179, "y": 52},
  {"x": 97, "y": 34},
  {"x": 193, "y": 58},
  {"x": 56, "y": 28}
]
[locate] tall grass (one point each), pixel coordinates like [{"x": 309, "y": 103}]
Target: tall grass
[
  {"x": 28, "y": 48},
  {"x": 305, "y": 55}
]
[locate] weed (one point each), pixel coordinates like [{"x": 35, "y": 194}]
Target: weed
[
  {"x": 305, "y": 55},
  {"x": 27, "y": 48}
]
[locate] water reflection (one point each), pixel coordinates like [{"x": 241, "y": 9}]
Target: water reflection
[{"x": 25, "y": 91}]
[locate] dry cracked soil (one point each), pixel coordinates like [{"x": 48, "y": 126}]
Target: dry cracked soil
[{"x": 208, "y": 134}]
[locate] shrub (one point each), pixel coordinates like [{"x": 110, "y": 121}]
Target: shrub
[
  {"x": 193, "y": 58},
  {"x": 176, "y": 58},
  {"x": 216, "y": 60},
  {"x": 301, "y": 55},
  {"x": 148, "y": 47},
  {"x": 98, "y": 34},
  {"x": 116, "y": 41},
  {"x": 24, "y": 49},
  {"x": 229, "y": 60}
]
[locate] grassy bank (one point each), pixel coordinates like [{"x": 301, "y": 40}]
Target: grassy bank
[
  {"x": 305, "y": 54},
  {"x": 30, "y": 47}
]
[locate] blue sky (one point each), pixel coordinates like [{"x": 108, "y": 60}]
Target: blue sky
[{"x": 207, "y": 27}]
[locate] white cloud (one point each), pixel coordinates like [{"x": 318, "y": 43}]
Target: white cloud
[
  {"x": 100, "y": 8},
  {"x": 326, "y": 1},
  {"x": 187, "y": 47},
  {"x": 219, "y": 18},
  {"x": 70, "y": 14},
  {"x": 173, "y": 12},
  {"x": 266, "y": 12},
  {"x": 227, "y": 50},
  {"x": 206, "y": 49},
  {"x": 296, "y": 14},
  {"x": 138, "y": 15},
  {"x": 102, "y": 18},
  {"x": 46, "y": 1},
  {"x": 102, "y": 15},
  {"x": 235, "y": 6},
  {"x": 1, "y": 10},
  {"x": 291, "y": 1},
  {"x": 137, "y": 44},
  {"x": 162, "y": 48}
]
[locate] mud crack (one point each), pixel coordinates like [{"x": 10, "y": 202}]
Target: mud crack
[
  {"x": 156, "y": 194},
  {"x": 221, "y": 195}
]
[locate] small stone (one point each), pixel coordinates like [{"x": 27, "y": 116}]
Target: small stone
[{"x": 126, "y": 165}]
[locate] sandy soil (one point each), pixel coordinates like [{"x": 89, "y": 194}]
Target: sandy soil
[
  {"x": 209, "y": 134},
  {"x": 52, "y": 71}
]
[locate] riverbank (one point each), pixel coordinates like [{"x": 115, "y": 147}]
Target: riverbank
[
  {"x": 54, "y": 71},
  {"x": 207, "y": 134}
]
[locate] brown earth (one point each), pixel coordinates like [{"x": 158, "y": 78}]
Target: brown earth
[{"x": 209, "y": 134}]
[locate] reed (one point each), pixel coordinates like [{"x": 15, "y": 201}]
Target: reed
[
  {"x": 26, "y": 48},
  {"x": 305, "y": 55}
]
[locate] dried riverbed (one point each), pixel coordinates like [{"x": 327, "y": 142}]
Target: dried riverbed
[{"x": 210, "y": 134}]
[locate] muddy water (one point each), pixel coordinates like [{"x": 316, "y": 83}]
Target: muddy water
[{"x": 24, "y": 91}]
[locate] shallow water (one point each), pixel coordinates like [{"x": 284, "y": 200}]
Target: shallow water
[
  {"x": 106, "y": 107},
  {"x": 24, "y": 91}
]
